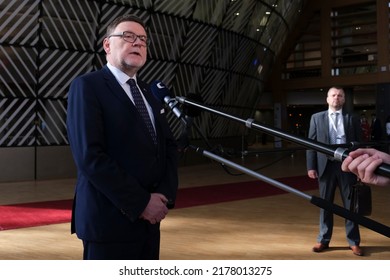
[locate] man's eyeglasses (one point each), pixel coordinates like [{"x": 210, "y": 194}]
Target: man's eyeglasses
[{"x": 131, "y": 37}]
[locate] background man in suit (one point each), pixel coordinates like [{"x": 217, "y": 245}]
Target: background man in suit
[
  {"x": 127, "y": 174},
  {"x": 328, "y": 128}
]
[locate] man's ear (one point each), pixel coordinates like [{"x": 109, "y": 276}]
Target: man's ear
[{"x": 106, "y": 45}]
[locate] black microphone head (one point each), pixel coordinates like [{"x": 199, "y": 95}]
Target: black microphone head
[
  {"x": 192, "y": 111},
  {"x": 160, "y": 90}
]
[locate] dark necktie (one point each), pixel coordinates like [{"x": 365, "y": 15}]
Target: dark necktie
[{"x": 141, "y": 107}]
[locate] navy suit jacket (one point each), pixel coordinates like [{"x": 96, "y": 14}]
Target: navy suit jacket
[
  {"x": 118, "y": 164},
  {"x": 319, "y": 131}
]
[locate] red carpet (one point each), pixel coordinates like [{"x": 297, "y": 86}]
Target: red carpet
[
  {"x": 54, "y": 212},
  {"x": 236, "y": 191},
  {"x": 35, "y": 214}
]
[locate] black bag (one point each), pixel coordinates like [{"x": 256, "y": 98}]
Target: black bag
[{"x": 361, "y": 202}]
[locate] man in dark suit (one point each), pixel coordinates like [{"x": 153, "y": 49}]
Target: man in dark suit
[
  {"x": 333, "y": 127},
  {"x": 127, "y": 170}
]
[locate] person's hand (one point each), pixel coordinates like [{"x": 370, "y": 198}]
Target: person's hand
[
  {"x": 364, "y": 162},
  {"x": 312, "y": 174},
  {"x": 156, "y": 210}
]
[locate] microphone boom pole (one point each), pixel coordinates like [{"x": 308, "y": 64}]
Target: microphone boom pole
[
  {"x": 338, "y": 210},
  {"x": 339, "y": 153}
]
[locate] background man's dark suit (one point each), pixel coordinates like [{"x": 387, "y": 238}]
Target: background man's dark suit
[
  {"x": 118, "y": 164},
  {"x": 329, "y": 171}
]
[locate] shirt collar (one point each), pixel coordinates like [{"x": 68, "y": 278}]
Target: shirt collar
[
  {"x": 338, "y": 111},
  {"x": 120, "y": 76}
]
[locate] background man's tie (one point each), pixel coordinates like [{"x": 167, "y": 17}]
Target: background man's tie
[{"x": 333, "y": 130}]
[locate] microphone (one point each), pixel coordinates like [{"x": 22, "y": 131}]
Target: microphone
[{"x": 163, "y": 94}]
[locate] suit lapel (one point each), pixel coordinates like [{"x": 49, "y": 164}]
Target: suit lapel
[
  {"x": 116, "y": 89},
  {"x": 325, "y": 121},
  {"x": 149, "y": 97},
  {"x": 345, "y": 123},
  {"x": 346, "y": 126}
]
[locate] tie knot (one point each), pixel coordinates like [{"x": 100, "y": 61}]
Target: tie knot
[{"x": 131, "y": 82}]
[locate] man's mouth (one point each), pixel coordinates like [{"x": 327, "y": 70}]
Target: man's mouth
[{"x": 135, "y": 53}]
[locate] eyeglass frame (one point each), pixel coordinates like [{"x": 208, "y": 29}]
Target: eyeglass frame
[{"x": 142, "y": 38}]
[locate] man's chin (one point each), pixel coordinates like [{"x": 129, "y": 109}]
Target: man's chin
[{"x": 134, "y": 65}]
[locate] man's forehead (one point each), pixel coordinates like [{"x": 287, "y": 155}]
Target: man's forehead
[{"x": 336, "y": 92}]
